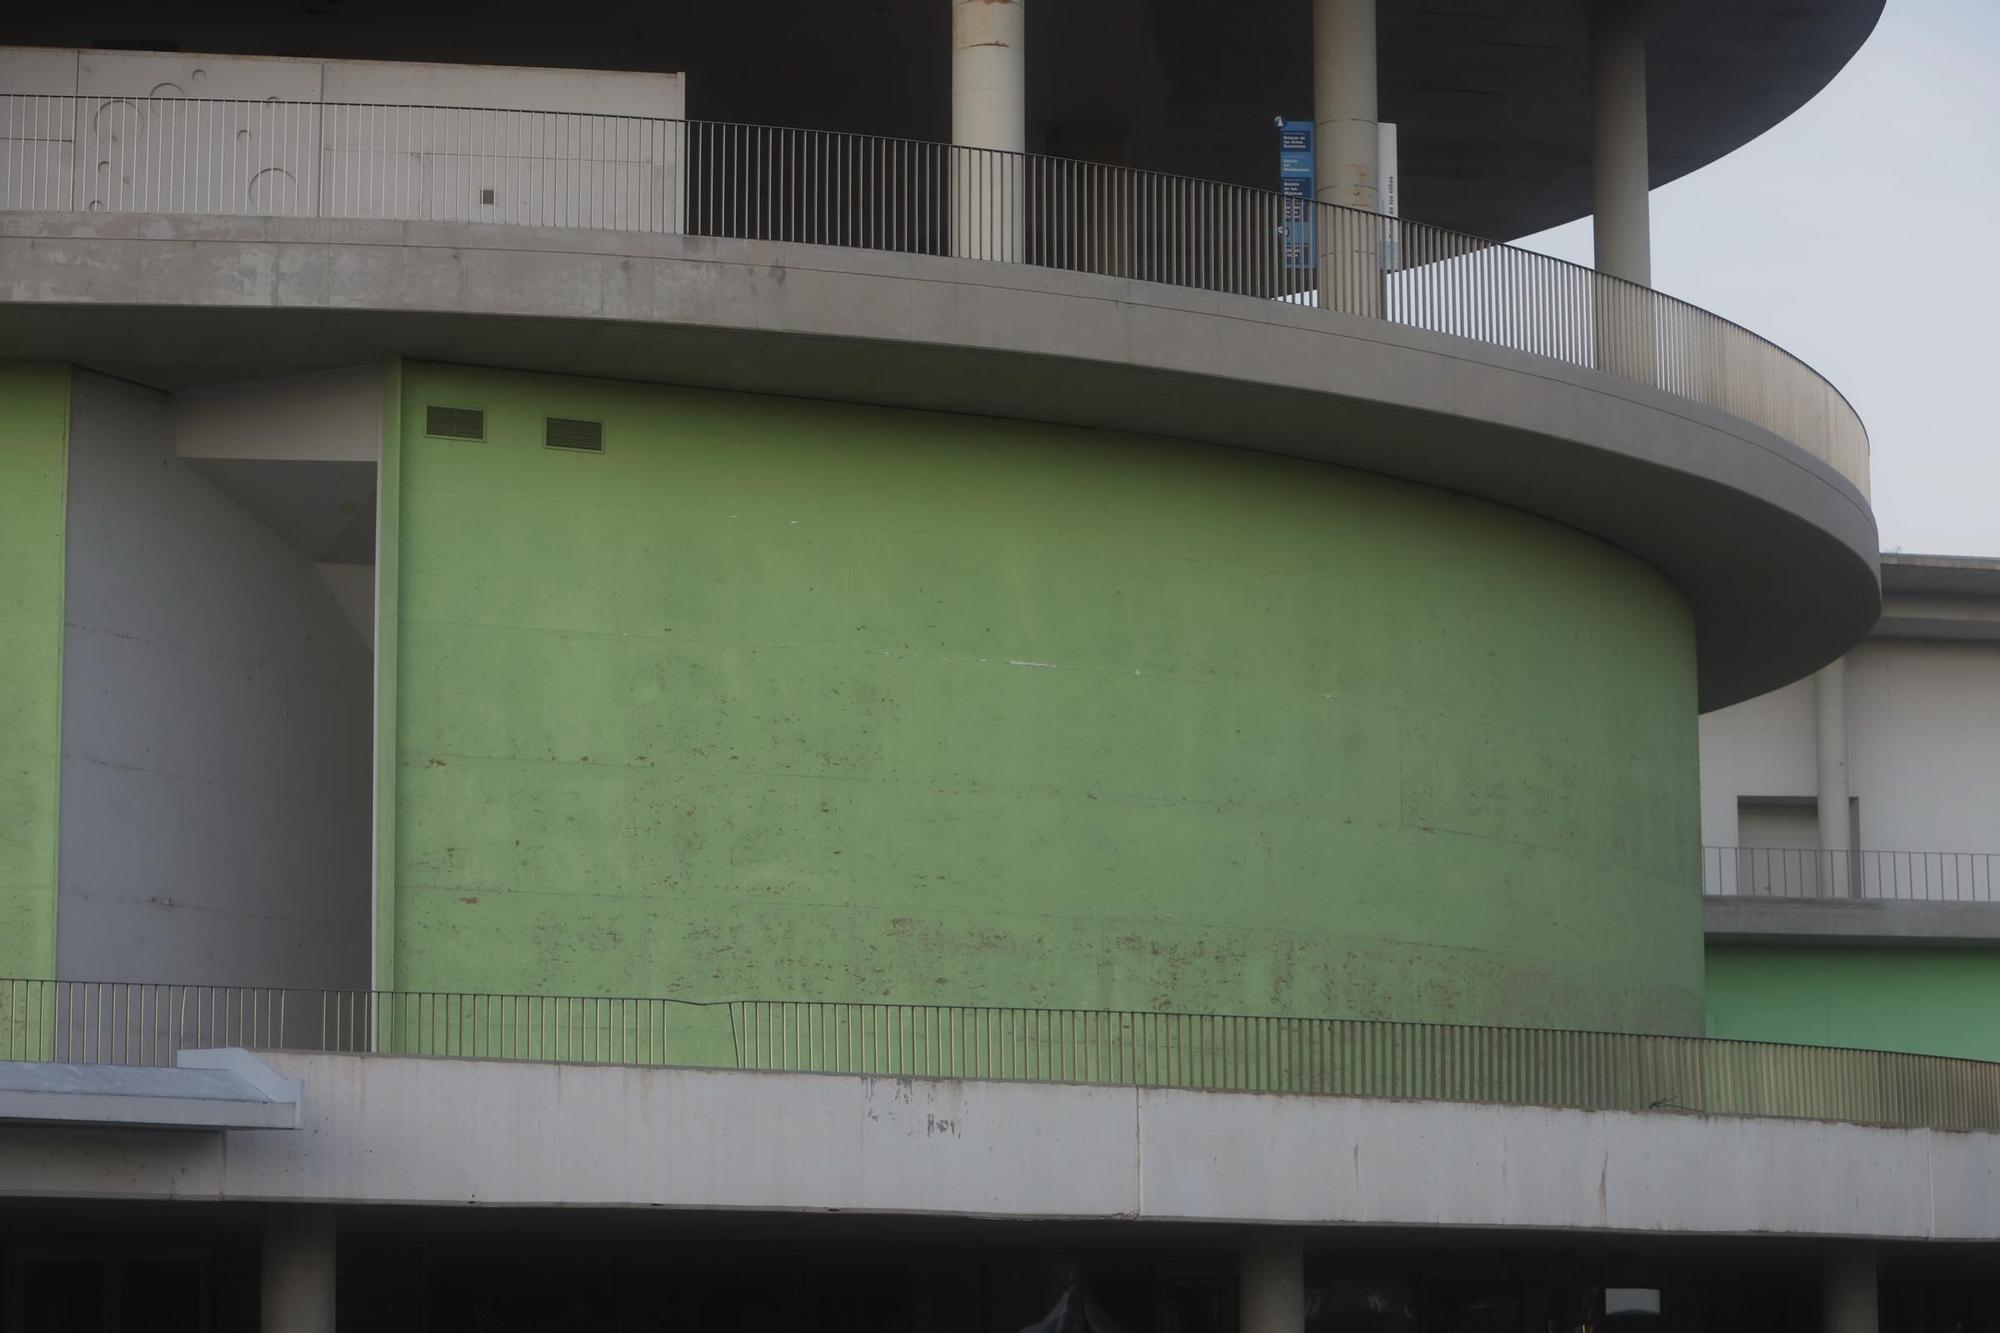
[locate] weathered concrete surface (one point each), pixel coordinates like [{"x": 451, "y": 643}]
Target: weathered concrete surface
[
  {"x": 215, "y": 726},
  {"x": 407, "y": 1131},
  {"x": 210, "y": 1090},
  {"x": 1738, "y": 517}
]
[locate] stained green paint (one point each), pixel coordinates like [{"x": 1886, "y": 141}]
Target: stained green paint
[
  {"x": 34, "y": 484},
  {"x": 791, "y": 699},
  {"x": 1930, "y": 1001},
  {"x": 389, "y": 511}
]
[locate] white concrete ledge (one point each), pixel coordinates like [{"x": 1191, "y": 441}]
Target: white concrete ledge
[
  {"x": 211, "y": 1090},
  {"x": 389, "y": 1130},
  {"x": 1734, "y": 919}
]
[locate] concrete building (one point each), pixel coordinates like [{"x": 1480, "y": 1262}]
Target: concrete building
[
  {"x": 1852, "y": 824},
  {"x": 807, "y": 669}
]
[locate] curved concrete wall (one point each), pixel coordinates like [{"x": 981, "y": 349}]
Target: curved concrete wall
[
  {"x": 1739, "y": 519},
  {"x": 797, "y": 700}
]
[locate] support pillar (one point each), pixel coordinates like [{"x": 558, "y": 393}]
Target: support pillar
[
  {"x": 298, "y": 1272},
  {"x": 1620, "y": 185},
  {"x": 1620, "y": 170},
  {"x": 989, "y": 128},
  {"x": 1347, "y": 149},
  {"x": 1271, "y": 1283},
  {"x": 1834, "y": 797},
  {"x": 1849, "y": 1301}
]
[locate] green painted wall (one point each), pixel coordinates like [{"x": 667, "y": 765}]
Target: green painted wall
[
  {"x": 34, "y": 474},
  {"x": 790, "y": 699},
  {"x": 1931, "y": 1001}
]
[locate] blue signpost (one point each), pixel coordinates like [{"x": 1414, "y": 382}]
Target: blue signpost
[{"x": 1296, "y": 185}]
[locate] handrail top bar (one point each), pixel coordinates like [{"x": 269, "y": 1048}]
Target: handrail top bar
[
  {"x": 1848, "y": 851},
  {"x": 8, "y": 983}
]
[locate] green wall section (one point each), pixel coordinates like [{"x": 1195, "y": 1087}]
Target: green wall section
[
  {"x": 34, "y": 475},
  {"x": 788, "y": 699},
  {"x": 1930, "y": 1001},
  {"x": 388, "y": 610}
]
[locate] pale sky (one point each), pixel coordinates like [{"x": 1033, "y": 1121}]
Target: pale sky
[{"x": 1863, "y": 235}]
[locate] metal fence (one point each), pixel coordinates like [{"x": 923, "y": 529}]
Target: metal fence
[
  {"x": 134, "y": 1023},
  {"x": 1808, "y": 872},
  {"x": 551, "y": 169}
]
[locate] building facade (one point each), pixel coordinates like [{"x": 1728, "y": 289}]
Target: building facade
[
  {"x": 957, "y": 716},
  {"x": 1874, "y": 929}
]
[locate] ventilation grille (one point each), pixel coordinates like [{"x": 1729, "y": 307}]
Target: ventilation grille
[
  {"x": 566, "y": 433},
  {"x": 455, "y": 423}
]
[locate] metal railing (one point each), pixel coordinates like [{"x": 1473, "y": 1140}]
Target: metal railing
[
  {"x": 554, "y": 169},
  {"x": 135, "y": 1023},
  {"x": 1808, "y": 872}
]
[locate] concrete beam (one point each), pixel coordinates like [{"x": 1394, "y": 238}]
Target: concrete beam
[
  {"x": 1850, "y": 921},
  {"x": 388, "y": 1130}
]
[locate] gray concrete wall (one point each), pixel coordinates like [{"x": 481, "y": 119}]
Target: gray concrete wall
[
  {"x": 215, "y": 799},
  {"x": 119, "y": 74},
  {"x": 1923, "y": 744},
  {"x": 329, "y": 416},
  {"x": 387, "y": 1130},
  {"x": 290, "y": 137},
  {"x": 1923, "y": 732},
  {"x": 1762, "y": 747}
]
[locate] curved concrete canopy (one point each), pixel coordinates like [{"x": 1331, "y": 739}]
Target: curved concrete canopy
[
  {"x": 1491, "y": 96},
  {"x": 1775, "y": 550}
]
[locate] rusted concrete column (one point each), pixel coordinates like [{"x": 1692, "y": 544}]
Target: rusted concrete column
[
  {"x": 989, "y": 128},
  {"x": 1345, "y": 133},
  {"x": 1347, "y": 147}
]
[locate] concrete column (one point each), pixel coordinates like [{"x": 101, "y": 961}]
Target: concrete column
[
  {"x": 1344, "y": 112},
  {"x": 298, "y": 1272},
  {"x": 1836, "y": 829},
  {"x": 1620, "y": 178},
  {"x": 989, "y": 117},
  {"x": 1271, "y": 1283},
  {"x": 1347, "y": 149},
  {"x": 1849, "y": 1302}
]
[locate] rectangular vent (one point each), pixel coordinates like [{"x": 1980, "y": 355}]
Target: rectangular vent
[
  {"x": 455, "y": 423},
  {"x": 566, "y": 433}
]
